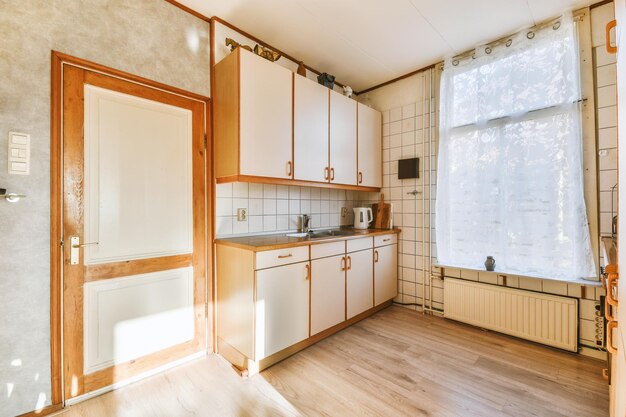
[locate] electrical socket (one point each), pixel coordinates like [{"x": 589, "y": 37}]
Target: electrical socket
[
  {"x": 344, "y": 212},
  {"x": 242, "y": 214}
]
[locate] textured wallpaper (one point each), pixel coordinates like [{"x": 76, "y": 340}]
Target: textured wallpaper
[{"x": 150, "y": 38}]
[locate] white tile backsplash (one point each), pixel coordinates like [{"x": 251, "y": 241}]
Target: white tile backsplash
[{"x": 275, "y": 208}]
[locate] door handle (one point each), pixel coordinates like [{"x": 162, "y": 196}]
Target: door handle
[
  {"x": 326, "y": 173},
  {"x": 360, "y": 177},
  {"x": 332, "y": 174},
  {"x": 610, "y": 285},
  {"x": 75, "y": 246},
  {"x": 609, "y": 337},
  {"x": 285, "y": 256},
  {"x": 349, "y": 263},
  {"x": 343, "y": 263},
  {"x": 308, "y": 271},
  {"x": 289, "y": 166},
  {"x": 375, "y": 256},
  {"x": 610, "y": 48}
]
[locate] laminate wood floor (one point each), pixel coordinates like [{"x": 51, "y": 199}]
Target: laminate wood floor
[{"x": 397, "y": 362}]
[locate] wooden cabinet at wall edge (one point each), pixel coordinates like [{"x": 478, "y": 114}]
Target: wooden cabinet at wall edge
[{"x": 274, "y": 126}]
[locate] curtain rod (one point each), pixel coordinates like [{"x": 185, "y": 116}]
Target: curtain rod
[{"x": 577, "y": 16}]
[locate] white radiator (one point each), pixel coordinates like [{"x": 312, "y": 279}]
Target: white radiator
[{"x": 548, "y": 319}]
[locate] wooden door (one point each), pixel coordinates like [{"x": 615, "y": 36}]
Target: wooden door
[
  {"x": 385, "y": 273},
  {"x": 618, "y": 388},
  {"x": 359, "y": 282},
  {"x": 281, "y": 308},
  {"x": 265, "y": 106},
  {"x": 343, "y": 150},
  {"x": 133, "y": 228},
  {"x": 328, "y": 293},
  {"x": 370, "y": 160},
  {"x": 310, "y": 130}
]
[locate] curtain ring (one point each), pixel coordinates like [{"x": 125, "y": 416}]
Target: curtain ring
[
  {"x": 556, "y": 25},
  {"x": 509, "y": 42},
  {"x": 530, "y": 35},
  {"x": 455, "y": 62},
  {"x": 488, "y": 50}
]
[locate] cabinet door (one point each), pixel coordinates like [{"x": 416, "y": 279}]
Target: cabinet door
[
  {"x": 310, "y": 130},
  {"x": 385, "y": 273},
  {"x": 328, "y": 293},
  {"x": 265, "y": 118},
  {"x": 342, "y": 139},
  {"x": 281, "y": 308},
  {"x": 360, "y": 282},
  {"x": 370, "y": 160}
]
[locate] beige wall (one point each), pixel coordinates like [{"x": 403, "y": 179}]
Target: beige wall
[{"x": 150, "y": 38}]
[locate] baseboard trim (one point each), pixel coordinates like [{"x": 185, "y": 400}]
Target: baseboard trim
[{"x": 120, "y": 384}]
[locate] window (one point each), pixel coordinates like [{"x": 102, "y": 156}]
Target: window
[{"x": 510, "y": 176}]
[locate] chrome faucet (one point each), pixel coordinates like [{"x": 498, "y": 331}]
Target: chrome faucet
[{"x": 305, "y": 219}]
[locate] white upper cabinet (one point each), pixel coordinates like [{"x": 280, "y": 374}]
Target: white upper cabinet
[
  {"x": 370, "y": 147},
  {"x": 343, "y": 164},
  {"x": 265, "y": 112},
  {"x": 310, "y": 135}
]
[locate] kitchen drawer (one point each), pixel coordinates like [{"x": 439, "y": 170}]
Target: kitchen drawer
[
  {"x": 384, "y": 240},
  {"x": 324, "y": 250},
  {"x": 271, "y": 258},
  {"x": 360, "y": 244}
]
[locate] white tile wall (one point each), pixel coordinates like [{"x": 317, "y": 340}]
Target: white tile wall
[{"x": 275, "y": 208}]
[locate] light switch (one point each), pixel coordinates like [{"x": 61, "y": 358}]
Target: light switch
[{"x": 19, "y": 153}]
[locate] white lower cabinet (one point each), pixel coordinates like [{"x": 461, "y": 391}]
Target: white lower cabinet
[
  {"x": 359, "y": 282},
  {"x": 328, "y": 293},
  {"x": 385, "y": 273},
  {"x": 282, "y": 308}
]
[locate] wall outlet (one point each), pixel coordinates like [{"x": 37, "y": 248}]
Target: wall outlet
[
  {"x": 344, "y": 212},
  {"x": 242, "y": 214}
]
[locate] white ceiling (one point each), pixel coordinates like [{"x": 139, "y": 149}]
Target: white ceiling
[{"x": 367, "y": 42}]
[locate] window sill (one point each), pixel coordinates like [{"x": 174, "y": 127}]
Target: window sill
[{"x": 579, "y": 281}]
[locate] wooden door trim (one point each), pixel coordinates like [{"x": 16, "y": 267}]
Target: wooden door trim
[
  {"x": 58, "y": 60},
  {"x": 134, "y": 267}
]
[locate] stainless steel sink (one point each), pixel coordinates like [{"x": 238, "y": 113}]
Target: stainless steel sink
[{"x": 321, "y": 234}]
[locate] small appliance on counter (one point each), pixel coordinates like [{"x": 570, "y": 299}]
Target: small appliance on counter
[{"x": 362, "y": 217}]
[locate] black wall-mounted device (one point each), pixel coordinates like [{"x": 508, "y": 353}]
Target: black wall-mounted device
[{"x": 408, "y": 168}]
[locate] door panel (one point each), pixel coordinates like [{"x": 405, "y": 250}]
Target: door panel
[
  {"x": 265, "y": 118},
  {"x": 310, "y": 130},
  {"x": 128, "y": 137},
  {"x": 328, "y": 293},
  {"x": 126, "y": 318},
  {"x": 360, "y": 283},
  {"x": 385, "y": 273},
  {"x": 342, "y": 139},
  {"x": 370, "y": 145},
  {"x": 133, "y": 157},
  {"x": 281, "y": 308}
]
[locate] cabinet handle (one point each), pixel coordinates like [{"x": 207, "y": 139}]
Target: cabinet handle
[
  {"x": 375, "y": 256},
  {"x": 332, "y": 174},
  {"x": 308, "y": 272},
  {"x": 610, "y": 48},
  {"x": 285, "y": 256},
  {"x": 387, "y": 240},
  {"x": 343, "y": 263},
  {"x": 289, "y": 168},
  {"x": 360, "y": 177},
  {"x": 326, "y": 174},
  {"x": 610, "y": 285},
  {"x": 349, "y": 263},
  {"x": 609, "y": 337}
]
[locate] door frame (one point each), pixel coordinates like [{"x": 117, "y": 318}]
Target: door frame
[{"x": 58, "y": 60}]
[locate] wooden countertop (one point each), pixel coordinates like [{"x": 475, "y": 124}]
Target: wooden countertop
[{"x": 259, "y": 243}]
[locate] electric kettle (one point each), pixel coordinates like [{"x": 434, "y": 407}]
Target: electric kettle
[{"x": 362, "y": 217}]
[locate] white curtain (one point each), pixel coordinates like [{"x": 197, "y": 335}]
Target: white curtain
[{"x": 510, "y": 176}]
